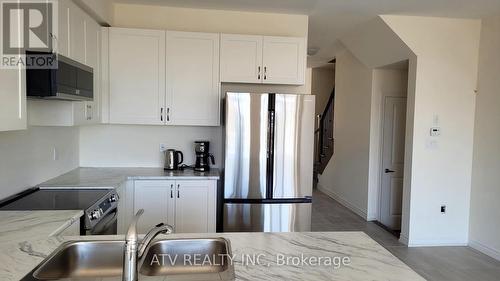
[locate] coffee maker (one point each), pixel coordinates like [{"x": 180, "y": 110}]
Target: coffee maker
[{"x": 201, "y": 149}]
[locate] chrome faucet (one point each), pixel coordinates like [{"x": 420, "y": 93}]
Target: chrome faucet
[{"x": 134, "y": 251}]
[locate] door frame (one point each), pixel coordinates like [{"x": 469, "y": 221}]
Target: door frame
[{"x": 381, "y": 158}]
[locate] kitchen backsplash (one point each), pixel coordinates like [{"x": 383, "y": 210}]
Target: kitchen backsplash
[
  {"x": 28, "y": 156},
  {"x": 139, "y": 145}
]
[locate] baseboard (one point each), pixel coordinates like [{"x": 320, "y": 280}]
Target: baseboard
[
  {"x": 342, "y": 201},
  {"x": 437, "y": 243},
  {"x": 403, "y": 239},
  {"x": 485, "y": 249}
]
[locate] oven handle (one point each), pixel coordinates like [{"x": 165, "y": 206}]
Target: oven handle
[{"x": 107, "y": 222}]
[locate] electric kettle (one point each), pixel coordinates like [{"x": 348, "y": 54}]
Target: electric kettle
[{"x": 173, "y": 158}]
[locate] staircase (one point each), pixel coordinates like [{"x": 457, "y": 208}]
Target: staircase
[{"x": 324, "y": 146}]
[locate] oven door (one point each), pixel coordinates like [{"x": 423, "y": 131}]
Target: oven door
[{"x": 106, "y": 226}]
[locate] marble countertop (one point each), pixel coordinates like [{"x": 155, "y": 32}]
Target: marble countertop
[
  {"x": 26, "y": 237},
  {"x": 367, "y": 260},
  {"x": 113, "y": 177}
]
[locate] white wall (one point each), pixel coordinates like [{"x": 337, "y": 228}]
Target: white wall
[
  {"x": 207, "y": 20},
  {"x": 345, "y": 178},
  {"x": 386, "y": 83},
  {"x": 322, "y": 82},
  {"x": 27, "y": 156},
  {"x": 100, "y": 10},
  {"x": 443, "y": 56},
  {"x": 139, "y": 146},
  {"x": 485, "y": 210},
  {"x": 445, "y": 80}
]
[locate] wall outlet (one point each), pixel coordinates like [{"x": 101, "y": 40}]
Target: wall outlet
[
  {"x": 443, "y": 209},
  {"x": 55, "y": 155},
  {"x": 163, "y": 147}
]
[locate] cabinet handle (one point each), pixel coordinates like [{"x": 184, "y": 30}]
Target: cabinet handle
[
  {"x": 171, "y": 191},
  {"x": 89, "y": 112},
  {"x": 265, "y": 72},
  {"x": 258, "y": 76},
  {"x": 178, "y": 190},
  {"x": 161, "y": 114},
  {"x": 168, "y": 114}
]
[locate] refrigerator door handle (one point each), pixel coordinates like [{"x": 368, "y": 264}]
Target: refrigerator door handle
[{"x": 270, "y": 156}]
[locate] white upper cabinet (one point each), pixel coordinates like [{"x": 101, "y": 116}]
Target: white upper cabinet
[
  {"x": 13, "y": 100},
  {"x": 284, "y": 60},
  {"x": 62, "y": 36},
  {"x": 77, "y": 19},
  {"x": 89, "y": 111},
  {"x": 193, "y": 88},
  {"x": 241, "y": 58},
  {"x": 263, "y": 59},
  {"x": 136, "y": 76}
]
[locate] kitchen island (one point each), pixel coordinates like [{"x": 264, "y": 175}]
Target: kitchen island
[{"x": 27, "y": 237}]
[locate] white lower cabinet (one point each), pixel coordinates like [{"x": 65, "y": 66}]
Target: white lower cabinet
[
  {"x": 188, "y": 205},
  {"x": 195, "y": 206},
  {"x": 154, "y": 196}
]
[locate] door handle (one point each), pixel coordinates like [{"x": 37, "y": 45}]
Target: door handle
[
  {"x": 168, "y": 114},
  {"x": 389, "y": 171},
  {"x": 178, "y": 190},
  {"x": 258, "y": 75},
  {"x": 265, "y": 72},
  {"x": 171, "y": 191},
  {"x": 161, "y": 114}
]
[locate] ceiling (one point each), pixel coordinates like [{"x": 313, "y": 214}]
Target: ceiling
[{"x": 329, "y": 19}]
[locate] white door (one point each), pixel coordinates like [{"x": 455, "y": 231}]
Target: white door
[
  {"x": 241, "y": 58},
  {"x": 394, "y": 122},
  {"x": 76, "y": 33},
  {"x": 136, "y": 76},
  {"x": 193, "y": 86},
  {"x": 284, "y": 60},
  {"x": 195, "y": 206},
  {"x": 156, "y": 197}
]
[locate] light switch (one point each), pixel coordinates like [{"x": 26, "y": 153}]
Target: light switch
[{"x": 435, "y": 132}]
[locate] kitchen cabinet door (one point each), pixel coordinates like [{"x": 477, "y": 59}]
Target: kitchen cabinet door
[
  {"x": 284, "y": 60},
  {"x": 241, "y": 58},
  {"x": 193, "y": 86},
  {"x": 77, "y": 34},
  {"x": 195, "y": 206},
  {"x": 88, "y": 112},
  {"x": 13, "y": 100},
  {"x": 62, "y": 36},
  {"x": 13, "y": 97},
  {"x": 157, "y": 199},
  {"x": 136, "y": 76}
]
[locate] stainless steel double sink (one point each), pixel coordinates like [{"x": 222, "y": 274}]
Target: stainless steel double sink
[{"x": 176, "y": 259}]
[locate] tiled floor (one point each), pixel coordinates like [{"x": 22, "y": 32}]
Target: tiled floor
[{"x": 433, "y": 263}]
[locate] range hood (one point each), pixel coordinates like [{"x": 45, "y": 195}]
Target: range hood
[{"x": 69, "y": 80}]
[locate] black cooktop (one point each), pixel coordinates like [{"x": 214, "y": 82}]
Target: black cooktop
[{"x": 56, "y": 199}]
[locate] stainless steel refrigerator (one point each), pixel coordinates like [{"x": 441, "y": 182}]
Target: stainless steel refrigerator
[{"x": 268, "y": 171}]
